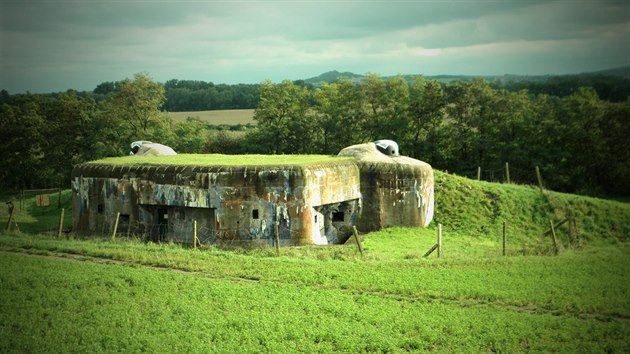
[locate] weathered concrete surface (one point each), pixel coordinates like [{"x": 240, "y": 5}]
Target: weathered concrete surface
[
  {"x": 313, "y": 204},
  {"x": 396, "y": 190}
]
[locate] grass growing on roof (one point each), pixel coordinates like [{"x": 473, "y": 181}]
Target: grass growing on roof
[{"x": 221, "y": 160}]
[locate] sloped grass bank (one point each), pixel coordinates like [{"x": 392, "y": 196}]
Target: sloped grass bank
[{"x": 478, "y": 209}]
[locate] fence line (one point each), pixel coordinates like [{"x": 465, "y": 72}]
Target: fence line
[{"x": 500, "y": 175}]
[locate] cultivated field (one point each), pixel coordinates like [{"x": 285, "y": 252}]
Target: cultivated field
[
  {"x": 219, "y": 117},
  {"x": 99, "y": 295}
]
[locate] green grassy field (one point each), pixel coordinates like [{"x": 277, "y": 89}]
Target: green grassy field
[
  {"x": 218, "y": 117},
  {"x": 33, "y": 219},
  {"x": 75, "y": 295}
]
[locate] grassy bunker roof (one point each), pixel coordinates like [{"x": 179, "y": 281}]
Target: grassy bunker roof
[
  {"x": 216, "y": 160},
  {"x": 113, "y": 167}
]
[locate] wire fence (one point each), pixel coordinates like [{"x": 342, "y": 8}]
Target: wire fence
[
  {"x": 183, "y": 232},
  {"x": 505, "y": 174}
]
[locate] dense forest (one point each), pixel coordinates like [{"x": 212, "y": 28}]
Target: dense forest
[
  {"x": 191, "y": 95},
  {"x": 579, "y": 141},
  {"x": 576, "y": 137}
]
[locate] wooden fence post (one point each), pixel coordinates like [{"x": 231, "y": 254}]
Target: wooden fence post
[
  {"x": 194, "y": 234},
  {"x": 555, "y": 239},
  {"x": 539, "y": 178},
  {"x": 60, "y": 223},
  {"x": 356, "y": 238},
  {"x": 478, "y": 173},
  {"x": 277, "y": 231},
  {"x": 430, "y": 250},
  {"x": 11, "y": 212},
  {"x": 438, "y": 245},
  {"x": 59, "y": 199},
  {"x": 576, "y": 233},
  {"x": 507, "y": 172},
  {"x": 439, "y": 240},
  {"x": 115, "y": 226},
  {"x": 504, "y": 238}
]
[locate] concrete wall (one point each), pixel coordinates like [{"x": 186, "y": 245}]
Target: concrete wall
[
  {"x": 313, "y": 204},
  {"x": 395, "y": 195},
  {"x": 396, "y": 190},
  {"x": 230, "y": 205}
]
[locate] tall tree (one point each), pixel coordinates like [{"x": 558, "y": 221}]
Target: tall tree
[
  {"x": 22, "y": 152},
  {"x": 582, "y": 138},
  {"x": 283, "y": 117},
  {"x": 137, "y": 103},
  {"x": 426, "y": 116},
  {"x": 615, "y": 169},
  {"x": 339, "y": 116},
  {"x": 70, "y": 135}
]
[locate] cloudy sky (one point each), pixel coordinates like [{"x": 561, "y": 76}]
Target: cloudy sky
[{"x": 56, "y": 45}]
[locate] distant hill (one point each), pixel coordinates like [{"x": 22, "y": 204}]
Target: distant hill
[
  {"x": 623, "y": 71},
  {"x": 331, "y": 76}
]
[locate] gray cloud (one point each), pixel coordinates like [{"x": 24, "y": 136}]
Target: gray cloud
[{"x": 55, "y": 45}]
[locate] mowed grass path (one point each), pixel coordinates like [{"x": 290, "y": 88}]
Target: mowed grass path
[
  {"x": 313, "y": 299},
  {"x": 218, "y": 117}
]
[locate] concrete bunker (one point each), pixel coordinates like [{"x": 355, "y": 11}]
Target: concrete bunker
[
  {"x": 230, "y": 204},
  {"x": 396, "y": 190},
  {"x": 317, "y": 202}
]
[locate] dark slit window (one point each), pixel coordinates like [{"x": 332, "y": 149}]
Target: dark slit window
[
  {"x": 338, "y": 216},
  {"x": 255, "y": 214}
]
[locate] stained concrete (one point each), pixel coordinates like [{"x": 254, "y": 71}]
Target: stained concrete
[
  {"x": 229, "y": 204},
  {"x": 396, "y": 190},
  {"x": 312, "y": 203}
]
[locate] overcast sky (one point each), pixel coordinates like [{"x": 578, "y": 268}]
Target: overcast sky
[{"x": 48, "y": 46}]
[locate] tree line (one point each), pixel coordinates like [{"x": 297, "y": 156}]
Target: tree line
[
  {"x": 45, "y": 135},
  {"x": 194, "y": 95},
  {"x": 579, "y": 141}
]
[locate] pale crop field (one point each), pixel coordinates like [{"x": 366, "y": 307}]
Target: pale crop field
[{"x": 218, "y": 117}]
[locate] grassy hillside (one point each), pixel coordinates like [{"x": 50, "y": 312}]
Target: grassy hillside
[
  {"x": 478, "y": 209},
  {"x": 75, "y": 295},
  {"x": 226, "y": 302}
]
